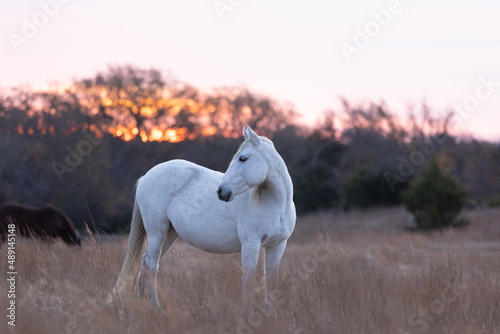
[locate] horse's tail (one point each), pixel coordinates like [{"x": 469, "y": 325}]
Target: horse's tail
[{"x": 136, "y": 239}]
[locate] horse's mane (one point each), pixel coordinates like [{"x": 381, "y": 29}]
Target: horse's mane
[
  {"x": 257, "y": 193},
  {"x": 265, "y": 140}
]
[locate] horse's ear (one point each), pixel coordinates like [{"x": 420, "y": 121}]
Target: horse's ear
[
  {"x": 245, "y": 133},
  {"x": 254, "y": 138}
]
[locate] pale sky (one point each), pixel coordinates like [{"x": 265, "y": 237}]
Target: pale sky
[{"x": 446, "y": 53}]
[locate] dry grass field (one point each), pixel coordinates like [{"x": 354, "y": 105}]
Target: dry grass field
[{"x": 355, "y": 272}]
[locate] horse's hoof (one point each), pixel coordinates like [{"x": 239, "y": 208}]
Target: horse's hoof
[
  {"x": 270, "y": 309},
  {"x": 109, "y": 301}
]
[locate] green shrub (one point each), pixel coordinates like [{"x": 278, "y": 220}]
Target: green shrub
[
  {"x": 364, "y": 189},
  {"x": 435, "y": 200}
]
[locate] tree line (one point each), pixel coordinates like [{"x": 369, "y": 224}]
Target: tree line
[{"x": 83, "y": 147}]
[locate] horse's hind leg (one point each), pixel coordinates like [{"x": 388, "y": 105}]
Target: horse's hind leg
[
  {"x": 171, "y": 238},
  {"x": 146, "y": 286}
]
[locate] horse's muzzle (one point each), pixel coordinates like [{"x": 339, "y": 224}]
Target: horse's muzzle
[{"x": 224, "y": 195}]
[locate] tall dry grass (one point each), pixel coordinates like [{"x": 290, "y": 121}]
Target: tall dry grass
[{"x": 357, "y": 272}]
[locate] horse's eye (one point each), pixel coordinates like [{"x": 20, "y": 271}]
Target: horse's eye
[{"x": 243, "y": 159}]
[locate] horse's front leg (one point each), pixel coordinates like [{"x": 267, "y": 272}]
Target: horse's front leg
[{"x": 249, "y": 258}]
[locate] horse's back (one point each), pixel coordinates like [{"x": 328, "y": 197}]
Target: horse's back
[
  {"x": 7, "y": 208},
  {"x": 184, "y": 194},
  {"x": 14, "y": 211},
  {"x": 172, "y": 176},
  {"x": 6, "y": 213},
  {"x": 170, "y": 180},
  {"x": 20, "y": 215}
]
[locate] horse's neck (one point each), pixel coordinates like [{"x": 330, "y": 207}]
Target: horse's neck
[
  {"x": 279, "y": 188},
  {"x": 286, "y": 181}
]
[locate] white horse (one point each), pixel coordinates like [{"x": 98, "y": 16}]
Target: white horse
[{"x": 248, "y": 207}]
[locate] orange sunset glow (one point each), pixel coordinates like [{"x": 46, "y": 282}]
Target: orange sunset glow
[
  {"x": 173, "y": 135},
  {"x": 150, "y": 119},
  {"x": 148, "y": 109}
]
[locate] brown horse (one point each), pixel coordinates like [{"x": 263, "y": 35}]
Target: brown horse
[{"x": 46, "y": 223}]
